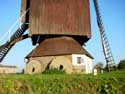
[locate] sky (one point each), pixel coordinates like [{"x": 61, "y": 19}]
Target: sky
[{"x": 113, "y": 16}]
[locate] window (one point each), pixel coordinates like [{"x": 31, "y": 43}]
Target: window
[{"x": 80, "y": 60}]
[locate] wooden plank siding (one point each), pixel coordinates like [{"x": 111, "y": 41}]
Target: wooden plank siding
[
  {"x": 60, "y": 17},
  {"x": 23, "y": 9},
  {"x": 25, "y": 5}
]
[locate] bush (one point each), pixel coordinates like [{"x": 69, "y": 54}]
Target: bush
[
  {"x": 121, "y": 65},
  {"x": 54, "y": 71}
]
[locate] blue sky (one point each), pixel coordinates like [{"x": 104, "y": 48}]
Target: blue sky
[{"x": 113, "y": 15}]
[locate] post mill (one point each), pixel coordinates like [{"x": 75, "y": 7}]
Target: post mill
[{"x": 59, "y": 28}]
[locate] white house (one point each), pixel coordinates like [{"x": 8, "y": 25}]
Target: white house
[{"x": 4, "y": 69}]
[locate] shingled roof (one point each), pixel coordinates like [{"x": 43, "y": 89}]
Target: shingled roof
[{"x": 58, "y": 46}]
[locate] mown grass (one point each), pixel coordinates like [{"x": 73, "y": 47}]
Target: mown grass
[{"x": 106, "y": 83}]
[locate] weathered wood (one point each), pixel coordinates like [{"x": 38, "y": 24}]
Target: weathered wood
[
  {"x": 25, "y": 5},
  {"x": 60, "y": 17},
  {"x": 23, "y": 9}
]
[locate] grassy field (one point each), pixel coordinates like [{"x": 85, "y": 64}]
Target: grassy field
[{"x": 106, "y": 83}]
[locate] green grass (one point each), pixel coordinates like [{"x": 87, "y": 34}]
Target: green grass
[{"x": 106, "y": 83}]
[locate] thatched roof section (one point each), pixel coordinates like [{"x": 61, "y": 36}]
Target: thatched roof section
[{"x": 58, "y": 46}]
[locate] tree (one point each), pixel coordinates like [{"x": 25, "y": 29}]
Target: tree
[
  {"x": 121, "y": 64},
  {"x": 99, "y": 66}
]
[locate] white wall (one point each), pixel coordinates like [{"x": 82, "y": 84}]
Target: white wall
[
  {"x": 87, "y": 62},
  {"x": 8, "y": 70}
]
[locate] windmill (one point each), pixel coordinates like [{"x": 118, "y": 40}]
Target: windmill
[{"x": 59, "y": 28}]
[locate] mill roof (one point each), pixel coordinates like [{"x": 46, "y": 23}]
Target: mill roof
[{"x": 58, "y": 46}]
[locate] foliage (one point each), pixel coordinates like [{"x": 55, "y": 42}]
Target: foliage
[
  {"x": 121, "y": 64},
  {"x": 112, "y": 68},
  {"x": 107, "y": 83},
  {"x": 54, "y": 71},
  {"x": 98, "y": 65}
]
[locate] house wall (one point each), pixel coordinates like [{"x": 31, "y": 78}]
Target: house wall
[
  {"x": 44, "y": 61},
  {"x": 48, "y": 62},
  {"x": 62, "y": 63},
  {"x": 86, "y": 63},
  {"x": 8, "y": 70},
  {"x": 68, "y": 62}
]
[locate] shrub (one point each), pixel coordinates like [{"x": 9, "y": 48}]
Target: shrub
[
  {"x": 121, "y": 64},
  {"x": 54, "y": 71}
]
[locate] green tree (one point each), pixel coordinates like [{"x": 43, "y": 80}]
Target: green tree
[
  {"x": 121, "y": 64},
  {"x": 99, "y": 66}
]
